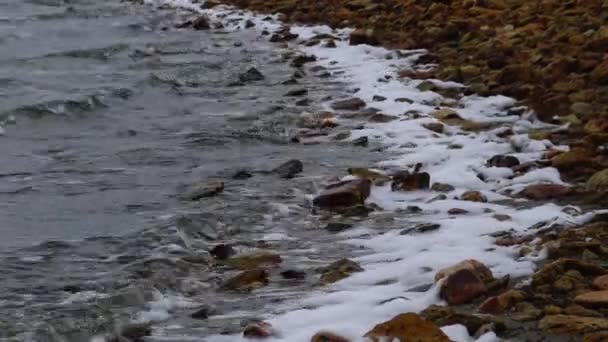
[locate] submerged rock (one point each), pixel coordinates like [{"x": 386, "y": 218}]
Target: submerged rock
[
  {"x": 251, "y": 75},
  {"x": 406, "y": 181},
  {"x": 289, "y": 169},
  {"x": 326, "y": 336},
  {"x": 258, "y": 330},
  {"x": 339, "y": 270},
  {"x": 408, "y": 327},
  {"x": 222, "y": 251},
  {"x": 254, "y": 260},
  {"x": 247, "y": 280},
  {"x": 350, "y": 104},
  {"x": 361, "y": 141},
  {"x": 201, "y": 23},
  {"x": 344, "y": 194},
  {"x": 202, "y": 190}
]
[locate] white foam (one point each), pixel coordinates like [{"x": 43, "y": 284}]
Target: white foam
[{"x": 352, "y": 306}]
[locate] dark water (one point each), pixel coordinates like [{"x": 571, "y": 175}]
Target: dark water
[{"x": 108, "y": 112}]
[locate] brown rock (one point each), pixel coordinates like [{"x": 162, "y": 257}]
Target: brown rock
[
  {"x": 254, "y": 260},
  {"x": 434, "y": 126},
  {"x": 594, "y": 299},
  {"x": 502, "y": 302},
  {"x": 362, "y": 36},
  {"x": 578, "y": 310},
  {"x": 326, "y": 336},
  {"x": 407, "y": 327},
  {"x": 566, "y": 324},
  {"x": 201, "y": 23},
  {"x": 596, "y": 337},
  {"x": 247, "y": 280},
  {"x": 601, "y": 282},
  {"x": 600, "y": 73},
  {"x": 339, "y": 270},
  {"x": 462, "y": 287},
  {"x": 406, "y": 181},
  {"x": 258, "y": 330},
  {"x": 481, "y": 270},
  {"x": 546, "y": 191},
  {"x": 350, "y": 104},
  {"x": 344, "y": 194},
  {"x": 474, "y": 196},
  {"x": 598, "y": 182}
]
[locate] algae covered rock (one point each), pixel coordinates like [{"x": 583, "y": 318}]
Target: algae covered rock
[{"x": 598, "y": 182}]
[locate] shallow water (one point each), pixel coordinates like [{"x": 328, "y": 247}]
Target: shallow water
[{"x": 109, "y": 112}]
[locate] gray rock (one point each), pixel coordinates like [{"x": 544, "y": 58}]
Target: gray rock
[
  {"x": 289, "y": 169},
  {"x": 354, "y": 103}
]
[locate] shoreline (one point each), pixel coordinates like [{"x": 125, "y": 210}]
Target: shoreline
[{"x": 461, "y": 118}]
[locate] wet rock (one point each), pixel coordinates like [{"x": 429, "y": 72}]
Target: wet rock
[
  {"x": 478, "y": 268},
  {"x": 363, "y": 36},
  {"x": 406, "y": 181},
  {"x": 318, "y": 120},
  {"x": 326, "y": 336},
  {"x": 350, "y": 104},
  {"x": 132, "y": 332},
  {"x": 300, "y": 60},
  {"x": 408, "y": 327},
  {"x": 546, "y": 191},
  {"x": 444, "y": 316},
  {"x": 339, "y": 270},
  {"x": 382, "y": 118},
  {"x": 342, "y": 135},
  {"x": 344, "y": 194},
  {"x": 202, "y": 313},
  {"x": 202, "y": 190},
  {"x": 293, "y": 274},
  {"x": 297, "y": 92},
  {"x": 525, "y": 311},
  {"x": 222, "y": 251},
  {"x": 421, "y": 228},
  {"x": 249, "y": 24},
  {"x": 251, "y": 75},
  {"x": 289, "y": 169},
  {"x": 593, "y": 299},
  {"x": 474, "y": 196},
  {"x": 242, "y": 174},
  {"x": 598, "y": 182},
  {"x": 567, "y": 324},
  {"x": 201, "y": 23},
  {"x": 330, "y": 43},
  {"x": 361, "y": 141},
  {"x": 337, "y": 227},
  {"x": 578, "y": 310},
  {"x": 441, "y": 187},
  {"x": 434, "y": 126},
  {"x": 601, "y": 282},
  {"x": 254, "y": 260},
  {"x": 503, "y": 161},
  {"x": 378, "y": 98},
  {"x": 377, "y": 177},
  {"x": 457, "y": 211},
  {"x": 258, "y": 330},
  {"x": 462, "y": 286},
  {"x": 596, "y": 337},
  {"x": 247, "y": 280},
  {"x": 600, "y": 73}
]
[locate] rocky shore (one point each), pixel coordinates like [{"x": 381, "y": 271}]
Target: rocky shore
[{"x": 549, "y": 55}]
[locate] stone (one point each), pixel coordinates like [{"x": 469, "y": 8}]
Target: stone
[
  {"x": 461, "y": 287},
  {"x": 378, "y": 98},
  {"x": 258, "y": 330},
  {"x": 434, "y": 126},
  {"x": 293, "y": 274},
  {"x": 474, "y": 196},
  {"x": 421, "y": 228},
  {"x": 382, "y": 118},
  {"x": 241, "y": 175},
  {"x": 377, "y": 177},
  {"x": 457, "y": 211},
  {"x": 525, "y": 311},
  {"x": 546, "y": 191},
  {"x": 297, "y": 92},
  {"x": 344, "y": 194},
  {"x": 300, "y": 60},
  {"x": 361, "y": 141},
  {"x": 132, "y": 332},
  {"x": 406, "y": 181},
  {"x": 441, "y": 187},
  {"x": 593, "y": 299},
  {"x": 408, "y": 327},
  {"x": 222, "y": 251},
  {"x": 202, "y": 190},
  {"x": 502, "y": 161},
  {"x": 254, "y": 260},
  {"x": 289, "y": 169},
  {"x": 567, "y": 324},
  {"x": 201, "y": 23},
  {"x": 350, "y": 104},
  {"x": 503, "y": 302},
  {"x": 481, "y": 270},
  {"x": 247, "y": 280},
  {"x": 339, "y": 270},
  {"x": 337, "y": 227},
  {"x": 363, "y": 36},
  {"x": 326, "y": 336},
  {"x": 601, "y": 336},
  {"x": 251, "y": 75},
  {"x": 598, "y": 182},
  {"x": 202, "y": 313},
  {"x": 601, "y": 282},
  {"x": 445, "y": 315},
  {"x": 578, "y": 310},
  {"x": 600, "y": 74}
]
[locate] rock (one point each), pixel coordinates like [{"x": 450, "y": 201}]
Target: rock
[
  {"x": 202, "y": 190},
  {"x": 361, "y": 141},
  {"x": 421, "y": 228},
  {"x": 502, "y": 161},
  {"x": 474, "y": 196},
  {"x": 578, "y": 310},
  {"x": 201, "y": 23},
  {"x": 202, "y": 313},
  {"x": 222, "y": 252},
  {"x": 601, "y": 282},
  {"x": 457, "y": 211},
  {"x": 242, "y": 174},
  {"x": 600, "y": 74},
  {"x": 289, "y": 169},
  {"x": 249, "y": 24},
  {"x": 481, "y": 270},
  {"x": 546, "y": 191},
  {"x": 596, "y": 337},
  {"x": 434, "y": 126},
  {"x": 254, "y": 260},
  {"x": 258, "y": 330},
  {"x": 132, "y": 332},
  {"x": 408, "y": 327},
  {"x": 593, "y": 299},
  {"x": 462, "y": 286},
  {"x": 566, "y": 161},
  {"x": 336, "y": 227},
  {"x": 406, "y": 181},
  {"x": 293, "y": 274},
  {"x": 377, "y": 177},
  {"x": 344, "y": 194},
  {"x": 526, "y": 312},
  {"x": 378, "y": 98},
  {"x": 362, "y": 36},
  {"x": 251, "y": 75},
  {"x": 297, "y": 92},
  {"x": 598, "y": 182},
  {"x": 553, "y": 271},
  {"x": 445, "y": 315},
  {"x": 350, "y": 104},
  {"x": 300, "y": 60},
  {"x": 566, "y": 324},
  {"x": 326, "y": 336},
  {"x": 318, "y": 120},
  {"x": 382, "y": 118},
  {"x": 441, "y": 187},
  {"x": 247, "y": 280},
  {"x": 339, "y": 270}
]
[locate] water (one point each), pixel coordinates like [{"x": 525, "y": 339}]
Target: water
[{"x": 109, "y": 112}]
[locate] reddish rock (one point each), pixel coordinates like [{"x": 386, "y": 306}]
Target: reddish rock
[
  {"x": 481, "y": 270},
  {"x": 361, "y": 36},
  {"x": 601, "y": 282},
  {"x": 462, "y": 287},
  {"x": 344, "y": 194},
  {"x": 406, "y": 181},
  {"x": 546, "y": 191},
  {"x": 258, "y": 330},
  {"x": 407, "y": 327},
  {"x": 326, "y": 336}
]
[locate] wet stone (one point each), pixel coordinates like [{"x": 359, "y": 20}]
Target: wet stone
[
  {"x": 344, "y": 194},
  {"x": 293, "y": 274},
  {"x": 336, "y": 227},
  {"x": 251, "y": 75},
  {"x": 350, "y": 104},
  {"x": 201, "y": 23},
  {"x": 289, "y": 169},
  {"x": 503, "y": 161},
  {"x": 242, "y": 174},
  {"x": 361, "y": 141},
  {"x": 378, "y": 98},
  {"x": 421, "y": 228},
  {"x": 222, "y": 251},
  {"x": 202, "y": 190},
  {"x": 441, "y": 187},
  {"x": 302, "y": 59},
  {"x": 297, "y": 92}
]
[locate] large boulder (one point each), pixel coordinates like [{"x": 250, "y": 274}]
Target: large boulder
[
  {"x": 408, "y": 327},
  {"x": 344, "y": 194}
]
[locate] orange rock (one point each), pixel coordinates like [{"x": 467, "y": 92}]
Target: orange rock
[
  {"x": 481, "y": 270},
  {"x": 407, "y": 327},
  {"x": 326, "y": 336},
  {"x": 601, "y": 282},
  {"x": 593, "y": 299},
  {"x": 462, "y": 287}
]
